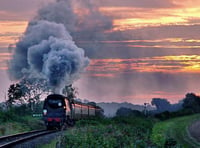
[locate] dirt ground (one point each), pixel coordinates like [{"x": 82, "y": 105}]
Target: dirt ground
[{"x": 194, "y": 130}]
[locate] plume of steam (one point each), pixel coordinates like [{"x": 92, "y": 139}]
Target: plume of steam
[
  {"x": 60, "y": 12},
  {"x": 47, "y": 50}
]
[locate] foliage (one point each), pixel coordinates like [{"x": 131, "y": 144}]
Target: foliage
[
  {"x": 173, "y": 132},
  {"x": 128, "y": 132},
  {"x": 191, "y": 105},
  {"x": 14, "y": 114},
  {"x": 161, "y": 104},
  {"x": 168, "y": 115},
  {"x": 164, "y": 115},
  {"x": 33, "y": 89},
  {"x": 18, "y": 119},
  {"x": 128, "y": 112},
  {"x": 107, "y": 133},
  {"x": 27, "y": 91},
  {"x": 14, "y": 94},
  {"x": 192, "y": 102}
]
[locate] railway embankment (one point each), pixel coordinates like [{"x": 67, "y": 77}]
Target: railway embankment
[{"x": 177, "y": 131}]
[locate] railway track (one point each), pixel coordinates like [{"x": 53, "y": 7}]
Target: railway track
[{"x": 12, "y": 140}]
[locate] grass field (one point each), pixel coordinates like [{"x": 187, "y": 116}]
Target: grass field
[{"x": 174, "y": 131}]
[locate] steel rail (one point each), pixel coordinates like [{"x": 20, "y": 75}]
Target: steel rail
[{"x": 12, "y": 140}]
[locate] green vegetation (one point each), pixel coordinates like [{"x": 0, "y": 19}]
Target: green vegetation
[
  {"x": 129, "y": 129},
  {"x": 174, "y": 132},
  {"x": 128, "y": 132},
  {"x": 108, "y": 133},
  {"x": 18, "y": 119},
  {"x": 14, "y": 127}
]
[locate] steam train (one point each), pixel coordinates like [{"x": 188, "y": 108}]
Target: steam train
[{"x": 60, "y": 111}]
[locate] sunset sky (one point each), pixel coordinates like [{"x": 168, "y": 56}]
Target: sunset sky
[{"x": 140, "y": 49}]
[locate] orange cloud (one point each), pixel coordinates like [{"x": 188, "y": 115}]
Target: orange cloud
[
  {"x": 17, "y": 27},
  {"x": 166, "y": 64},
  {"x": 133, "y": 17},
  {"x": 106, "y": 75},
  {"x": 10, "y": 31}
]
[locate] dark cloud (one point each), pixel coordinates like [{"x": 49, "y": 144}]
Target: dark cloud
[
  {"x": 139, "y": 3},
  {"x": 146, "y": 42},
  {"x": 21, "y": 5},
  {"x": 166, "y": 31},
  {"x": 124, "y": 51},
  {"x": 20, "y": 10}
]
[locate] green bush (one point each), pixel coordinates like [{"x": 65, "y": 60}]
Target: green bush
[{"x": 14, "y": 114}]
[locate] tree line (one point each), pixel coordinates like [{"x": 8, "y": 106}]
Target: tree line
[{"x": 190, "y": 104}]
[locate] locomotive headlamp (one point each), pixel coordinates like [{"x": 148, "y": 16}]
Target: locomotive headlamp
[{"x": 44, "y": 111}]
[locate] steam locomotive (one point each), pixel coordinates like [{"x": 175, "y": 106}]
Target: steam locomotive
[{"x": 60, "y": 111}]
